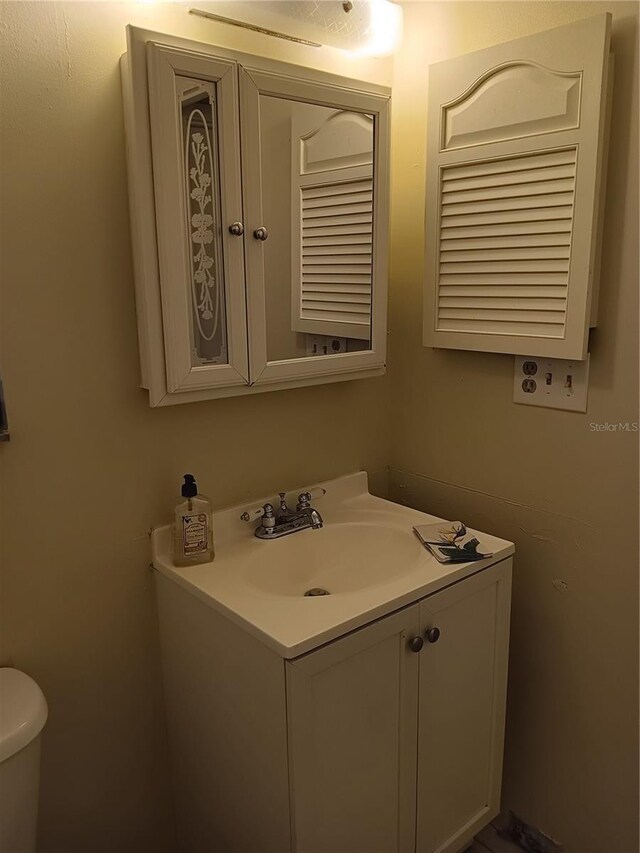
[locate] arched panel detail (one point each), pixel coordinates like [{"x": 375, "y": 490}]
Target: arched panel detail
[
  {"x": 511, "y": 101},
  {"x": 344, "y": 140}
]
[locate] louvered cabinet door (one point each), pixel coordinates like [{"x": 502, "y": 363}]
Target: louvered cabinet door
[
  {"x": 332, "y": 194},
  {"x": 516, "y": 150},
  {"x": 331, "y": 259}
]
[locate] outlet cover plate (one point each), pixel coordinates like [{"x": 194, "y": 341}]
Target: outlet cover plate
[
  {"x": 555, "y": 383},
  {"x": 325, "y": 345}
]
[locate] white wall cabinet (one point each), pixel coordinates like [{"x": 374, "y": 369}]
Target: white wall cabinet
[
  {"x": 516, "y": 161},
  {"x": 361, "y": 745},
  {"x": 231, "y": 254}
]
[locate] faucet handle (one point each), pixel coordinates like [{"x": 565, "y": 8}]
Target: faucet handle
[
  {"x": 252, "y": 514},
  {"x": 304, "y": 500},
  {"x": 283, "y": 509},
  {"x": 268, "y": 517}
]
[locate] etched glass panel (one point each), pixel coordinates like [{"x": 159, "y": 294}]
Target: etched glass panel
[{"x": 202, "y": 186}]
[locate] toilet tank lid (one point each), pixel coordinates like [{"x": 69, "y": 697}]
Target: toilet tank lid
[{"x": 23, "y": 711}]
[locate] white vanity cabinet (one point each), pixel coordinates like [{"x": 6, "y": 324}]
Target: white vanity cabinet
[
  {"x": 259, "y": 217},
  {"x": 387, "y": 739}
]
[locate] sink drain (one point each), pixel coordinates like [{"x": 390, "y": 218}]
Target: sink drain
[{"x": 317, "y": 590}]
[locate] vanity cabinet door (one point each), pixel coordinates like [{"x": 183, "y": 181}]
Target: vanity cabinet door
[
  {"x": 463, "y": 680},
  {"x": 352, "y": 721}
]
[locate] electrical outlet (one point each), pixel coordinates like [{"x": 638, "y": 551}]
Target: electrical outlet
[
  {"x": 552, "y": 382},
  {"x": 325, "y": 345}
]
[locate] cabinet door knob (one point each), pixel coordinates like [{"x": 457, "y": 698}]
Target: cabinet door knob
[
  {"x": 432, "y": 635},
  {"x": 261, "y": 233},
  {"x": 237, "y": 229},
  {"x": 416, "y": 643}
]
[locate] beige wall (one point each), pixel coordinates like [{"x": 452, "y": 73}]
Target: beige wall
[
  {"x": 90, "y": 468},
  {"x": 565, "y": 494}
]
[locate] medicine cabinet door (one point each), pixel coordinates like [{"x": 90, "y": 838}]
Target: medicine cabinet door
[
  {"x": 315, "y": 163},
  {"x": 193, "y": 102}
]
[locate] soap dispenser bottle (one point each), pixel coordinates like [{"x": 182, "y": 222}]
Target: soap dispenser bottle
[{"x": 193, "y": 538}]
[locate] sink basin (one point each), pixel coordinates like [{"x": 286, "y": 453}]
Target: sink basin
[
  {"x": 366, "y": 557},
  {"x": 342, "y": 558}
]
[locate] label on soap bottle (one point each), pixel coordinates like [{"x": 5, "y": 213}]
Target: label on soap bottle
[{"x": 194, "y": 534}]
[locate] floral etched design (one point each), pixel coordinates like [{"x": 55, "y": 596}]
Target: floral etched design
[{"x": 205, "y": 290}]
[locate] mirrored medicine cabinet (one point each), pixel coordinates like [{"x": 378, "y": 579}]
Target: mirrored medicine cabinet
[{"x": 259, "y": 211}]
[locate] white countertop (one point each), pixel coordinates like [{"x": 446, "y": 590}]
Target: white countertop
[{"x": 240, "y": 582}]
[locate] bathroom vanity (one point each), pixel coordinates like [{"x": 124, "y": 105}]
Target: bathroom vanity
[{"x": 370, "y": 719}]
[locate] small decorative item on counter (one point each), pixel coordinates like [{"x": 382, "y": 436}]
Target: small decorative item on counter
[
  {"x": 193, "y": 537},
  {"x": 450, "y": 542}
]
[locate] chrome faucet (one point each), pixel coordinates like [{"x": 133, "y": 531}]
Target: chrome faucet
[
  {"x": 274, "y": 524},
  {"x": 304, "y": 509}
]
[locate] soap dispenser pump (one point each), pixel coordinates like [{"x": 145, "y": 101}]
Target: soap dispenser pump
[{"x": 193, "y": 538}]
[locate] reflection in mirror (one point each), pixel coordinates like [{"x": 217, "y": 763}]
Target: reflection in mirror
[{"x": 317, "y": 180}]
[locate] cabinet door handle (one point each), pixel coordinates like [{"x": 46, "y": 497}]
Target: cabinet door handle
[
  {"x": 432, "y": 635},
  {"x": 237, "y": 229},
  {"x": 416, "y": 643},
  {"x": 261, "y": 233}
]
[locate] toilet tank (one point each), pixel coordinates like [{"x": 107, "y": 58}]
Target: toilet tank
[{"x": 23, "y": 713}]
